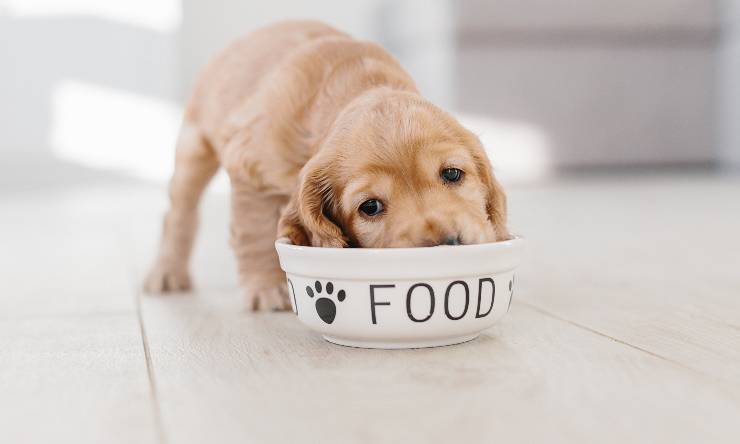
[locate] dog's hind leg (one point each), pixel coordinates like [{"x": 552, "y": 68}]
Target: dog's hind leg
[{"x": 195, "y": 165}]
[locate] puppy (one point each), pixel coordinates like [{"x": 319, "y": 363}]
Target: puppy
[{"x": 327, "y": 142}]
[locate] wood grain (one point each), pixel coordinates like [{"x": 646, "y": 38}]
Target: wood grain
[
  {"x": 264, "y": 378},
  {"x": 624, "y": 328},
  {"x": 75, "y": 380},
  {"x": 651, "y": 262}
]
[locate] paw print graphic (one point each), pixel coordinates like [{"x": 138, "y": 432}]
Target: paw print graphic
[{"x": 325, "y": 307}]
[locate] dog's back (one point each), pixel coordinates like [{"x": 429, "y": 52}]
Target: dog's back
[{"x": 234, "y": 75}]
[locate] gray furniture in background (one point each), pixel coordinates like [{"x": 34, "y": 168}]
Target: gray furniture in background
[{"x": 629, "y": 82}]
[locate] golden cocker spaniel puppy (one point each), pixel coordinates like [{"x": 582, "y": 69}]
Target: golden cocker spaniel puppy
[{"x": 326, "y": 141}]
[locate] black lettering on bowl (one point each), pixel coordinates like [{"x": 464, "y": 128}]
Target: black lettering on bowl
[
  {"x": 295, "y": 301},
  {"x": 431, "y": 299},
  {"x": 478, "y": 313},
  {"x": 447, "y": 300},
  {"x": 374, "y": 303},
  {"x": 412, "y": 298},
  {"x": 326, "y": 302},
  {"x": 511, "y": 291}
]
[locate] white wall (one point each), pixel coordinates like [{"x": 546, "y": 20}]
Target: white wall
[
  {"x": 209, "y": 25},
  {"x": 83, "y": 77},
  {"x": 95, "y": 87},
  {"x": 728, "y": 85}
]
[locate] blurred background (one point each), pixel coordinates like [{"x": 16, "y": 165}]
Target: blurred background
[
  {"x": 92, "y": 90},
  {"x": 613, "y": 124}
]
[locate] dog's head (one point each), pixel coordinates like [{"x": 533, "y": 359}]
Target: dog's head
[{"x": 395, "y": 171}]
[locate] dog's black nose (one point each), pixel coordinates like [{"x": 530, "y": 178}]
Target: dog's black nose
[{"x": 451, "y": 240}]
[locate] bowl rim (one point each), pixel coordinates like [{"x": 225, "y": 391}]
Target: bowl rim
[
  {"x": 401, "y": 263},
  {"x": 286, "y": 242}
]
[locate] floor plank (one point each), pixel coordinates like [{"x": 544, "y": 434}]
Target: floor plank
[
  {"x": 624, "y": 327},
  {"x": 72, "y": 364},
  {"x": 651, "y": 262},
  {"x": 74, "y": 379},
  {"x": 608, "y": 337},
  {"x": 265, "y": 378},
  {"x": 62, "y": 253}
]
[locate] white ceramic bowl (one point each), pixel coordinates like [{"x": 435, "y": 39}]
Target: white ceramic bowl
[{"x": 400, "y": 297}]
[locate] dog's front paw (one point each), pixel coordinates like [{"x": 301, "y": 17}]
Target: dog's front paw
[
  {"x": 274, "y": 298},
  {"x": 167, "y": 278}
]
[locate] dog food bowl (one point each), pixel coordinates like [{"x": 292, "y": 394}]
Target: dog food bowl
[{"x": 400, "y": 297}]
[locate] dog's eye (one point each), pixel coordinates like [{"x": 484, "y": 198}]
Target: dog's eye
[
  {"x": 372, "y": 207},
  {"x": 451, "y": 174}
]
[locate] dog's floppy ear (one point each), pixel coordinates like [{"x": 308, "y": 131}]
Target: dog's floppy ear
[
  {"x": 307, "y": 219},
  {"x": 495, "y": 196}
]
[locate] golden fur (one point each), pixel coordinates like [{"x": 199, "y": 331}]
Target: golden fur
[{"x": 309, "y": 123}]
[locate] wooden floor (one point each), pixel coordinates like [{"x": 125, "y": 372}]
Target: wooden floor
[{"x": 625, "y": 328}]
